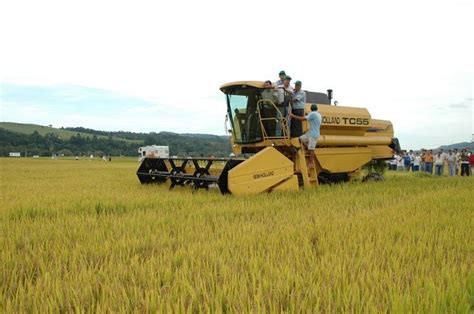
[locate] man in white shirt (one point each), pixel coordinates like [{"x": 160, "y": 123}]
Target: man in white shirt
[
  {"x": 393, "y": 163},
  {"x": 457, "y": 164},
  {"x": 412, "y": 158},
  {"x": 416, "y": 162},
  {"x": 451, "y": 159},
  {"x": 400, "y": 164},
  {"x": 439, "y": 162},
  {"x": 279, "y": 83}
]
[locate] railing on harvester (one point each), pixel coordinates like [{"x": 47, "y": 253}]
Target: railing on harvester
[{"x": 273, "y": 120}]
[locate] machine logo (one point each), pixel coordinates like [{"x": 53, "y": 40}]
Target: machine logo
[
  {"x": 345, "y": 120},
  {"x": 263, "y": 174}
]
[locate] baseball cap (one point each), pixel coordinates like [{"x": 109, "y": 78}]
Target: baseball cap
[
  {"x": 288, "y": 77},
  {"x": 298, "y": 83},
  {"x": 282, "y": 73}
]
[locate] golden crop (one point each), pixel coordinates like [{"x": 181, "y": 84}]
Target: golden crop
[{"x": 85, "y": 236}]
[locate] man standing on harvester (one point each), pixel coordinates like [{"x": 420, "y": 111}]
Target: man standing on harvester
[
  {"x": 311, "y": 136},
  {"x": 298, "y": 100}
]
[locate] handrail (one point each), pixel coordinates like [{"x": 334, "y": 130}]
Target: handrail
[{"x": 281, "y": 122}]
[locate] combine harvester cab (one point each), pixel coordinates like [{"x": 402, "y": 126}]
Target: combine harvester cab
[{"x": 268, "y": 158}]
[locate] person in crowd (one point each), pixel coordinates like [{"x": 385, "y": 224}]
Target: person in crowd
[
  {"x": 464, "y": 163},
  {"x": 406, "y": 161},
  {"x": 416, "y": 162},
  {"x": 279, "y": 83},
  {"x": 311, "y": 136},
  {"x": 443, "y": 153},
  {"x": 298, "y": 100},
  {"x": 393, "y": 163},
  {"x": 471, "y": 161},
  {"x": 422, "y": 163},
  {"x": 451, "y": 160},
  {"x": 412, "y": 158},
  {"x": 429, "y": 161},
  {"x": 439, "y": 163},
  {"x": 457, "y": 155},
  {"x": 400, "y": 165}
]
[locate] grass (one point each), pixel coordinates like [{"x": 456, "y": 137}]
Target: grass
[{"x": 86, "y": 236}]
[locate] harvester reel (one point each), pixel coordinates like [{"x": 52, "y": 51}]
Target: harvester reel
[
  {"x": 154, "y": 171},
  {"x": 201, "y": 173},
  {"x": 150, "y": 171},
  {"x": 177, "y": 177}
]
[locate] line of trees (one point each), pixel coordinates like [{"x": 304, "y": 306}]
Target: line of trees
[{"x": 77, "y": 145}]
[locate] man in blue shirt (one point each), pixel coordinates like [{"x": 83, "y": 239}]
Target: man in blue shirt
[{"x": 310, "y": 138}]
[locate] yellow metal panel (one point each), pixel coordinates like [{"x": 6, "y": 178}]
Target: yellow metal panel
[
  {"x": 258, "y": 84},
  {"x": 380, "y": 128},
  {"x": 347, "y": 140},
  {"x": 260, "y": 172},
  {"x": 380, "y": 152},
  {"x": 340, "y": 120},
  {"x": 290, "y": 184},
  {"x": 341, "y": 116},
  {"x": 343, "y": 159}
]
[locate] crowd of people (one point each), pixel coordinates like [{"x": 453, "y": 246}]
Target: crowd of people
[
  {"x": 458, "y": 162},
  {"x": 288, "y": 99}
]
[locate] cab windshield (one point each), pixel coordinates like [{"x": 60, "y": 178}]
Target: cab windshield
[{"x": 244, "y": 116}]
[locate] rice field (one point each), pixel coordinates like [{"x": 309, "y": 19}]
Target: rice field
[{"x": 85, "y": 236}]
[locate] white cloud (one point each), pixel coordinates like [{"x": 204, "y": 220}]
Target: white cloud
[{"x": 398, "y": 59}]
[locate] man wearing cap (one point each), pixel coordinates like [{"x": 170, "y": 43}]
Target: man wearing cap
[
  {"x": 298, "y": 100},
  {"x": 282, "y": 76},
  {"x": 272, "y": 93},
  {"x": 310, "y": 138},
  {"x": 275, "y": 95},
  {"x": 286, "y": 85},
  {"x": 287, "y": 92}
]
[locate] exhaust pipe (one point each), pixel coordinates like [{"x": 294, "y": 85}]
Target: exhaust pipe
[{"x": 330, "y": 96}]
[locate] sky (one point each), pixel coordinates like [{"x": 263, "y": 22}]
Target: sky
[{"x": 151, "y": 66}]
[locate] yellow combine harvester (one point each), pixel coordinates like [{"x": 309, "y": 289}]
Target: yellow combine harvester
[{"x": 267, "y": 158}]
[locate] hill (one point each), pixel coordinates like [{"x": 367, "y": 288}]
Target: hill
[
  {"x": 62, "y": 133},
  {"x": 46, "y": 141},
  {"x": 459, "y": 146}
]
